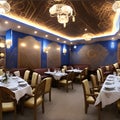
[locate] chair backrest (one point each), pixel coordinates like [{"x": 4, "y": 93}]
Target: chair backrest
[
  {"x": 6, "y": 95},
  {"x": 39, "y": 79},
  {"x": 48, "y": 84},
  {"x": 34, "y": 79},
  {"x": 17, "y": 73},
  {"x": 86, "y": 87},
  {"x": 40, "y": 90},
  {"x": 100, "y": 75},
  {"x": 94, "y": 81},
  {"x": 26, "y": 75},
  {"x": 70, "y": 76},
  {"x": 1, "y": 72}
]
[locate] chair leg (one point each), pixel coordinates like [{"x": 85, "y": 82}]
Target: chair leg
[
  {"x": 50, "y": 96},
  {"x": 43, "y": 109},
  {"x": 86, "y": 108},
  {"x": 35, "y": 114},
  {"x": 66, "y": 88}
]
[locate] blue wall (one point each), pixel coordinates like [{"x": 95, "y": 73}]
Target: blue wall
[{"x": 12, "y": 53}]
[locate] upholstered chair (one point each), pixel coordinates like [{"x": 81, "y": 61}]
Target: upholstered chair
[
  {"x": 118, "y": 105},
  {"x": 37, "y": 99},
  {"x": 95, "y": 84},
  {"x": 100, "y": 76},
  {"x": 48, "y": 86},
  {"x": 34, "y": 79},
  {"x": 67, "y": 81},
  {"x": 26, "y": 75},
  {"x": 83, "y": 75},
  {"x": 89, "y": 98},
  {"x": 7, "y": 101},
  {"x": 1, "y": 72}
]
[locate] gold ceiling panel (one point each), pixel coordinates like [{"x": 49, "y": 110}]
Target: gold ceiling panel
[{"x": 95, "y": 15}]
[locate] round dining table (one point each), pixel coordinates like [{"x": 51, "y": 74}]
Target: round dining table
[{"x": 16, "y": 84}]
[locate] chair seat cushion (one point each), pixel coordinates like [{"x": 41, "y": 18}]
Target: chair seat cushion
[
  {"x": 9, "y": 106},
  {"x": 30, "y": 102},
  {"x": 64, "y": 81},
  {"x": 90, "y": 99}
]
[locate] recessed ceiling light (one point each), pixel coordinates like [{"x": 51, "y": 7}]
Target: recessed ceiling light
[
  {"x": 6, "y": 22},
  {"x": 113, "y": 38},
  {"x": 46, "y": 35},
  {"x": 18, "y": 26},
  {"x": 35, "y": 32},
  {"x": 58, "y": 39}
]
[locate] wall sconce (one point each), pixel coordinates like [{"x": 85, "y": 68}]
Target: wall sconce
[
  {"x": 64, "y": 50},
  {"x": 2, "y": 55},
  {"x": 8, "y": 43},
  {"x": 46, "y": 49}
]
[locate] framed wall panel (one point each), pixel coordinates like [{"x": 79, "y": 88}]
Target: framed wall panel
[
  {"x": 53, "y": 55},
  {"x": 29, "y": 52}
]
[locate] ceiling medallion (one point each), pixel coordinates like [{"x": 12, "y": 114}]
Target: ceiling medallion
[
  {"x": 116, "y": 6},
  {"x": 4, "y": 7},
  {"x": 63, "y": 11}
]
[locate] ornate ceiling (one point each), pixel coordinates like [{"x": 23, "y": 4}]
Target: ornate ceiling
[{"x": 95, "y": 15}]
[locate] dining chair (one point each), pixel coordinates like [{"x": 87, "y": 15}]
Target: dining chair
[
  {"x": 37, "y": 99},
  {"x": 67, "y": 81},
  {"x": 34, "y": 79},
  {"x": 95, "y": 84},
  {"x": 100, "y": 76},
  {"x": 17, "y": 73},
  {"x": 89, "y": 98},
  {"x": 7, "y": 101},
  {"x": 83, "y": 75},
  {"x": 48, "y": 86},
  {"x": 26, "y": 75},
  {"x": 1, "y": 72},
  {"x": 118, "y": 105}
]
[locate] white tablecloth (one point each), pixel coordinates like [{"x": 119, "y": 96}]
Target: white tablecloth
[
  {"x": 56, "y": 75},
  {"x": 74, "y": 70},
  {"x": 18, "y": 85},
  {"x": 110, "y": 91}
]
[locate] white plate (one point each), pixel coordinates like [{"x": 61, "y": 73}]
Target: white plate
[
  {"x": 109, "y": 87},
  {"x": 22, "y": 83}
]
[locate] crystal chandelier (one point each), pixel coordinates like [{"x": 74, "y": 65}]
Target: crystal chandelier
[
  {"x": 87, "y": 36},
  {"x": 116, "y": 6},
  {"x": 62, "y": 11},
  {"x": 4, "y": 7}
]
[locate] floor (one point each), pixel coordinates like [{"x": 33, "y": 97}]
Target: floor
[{"x": 67, "y": 106}]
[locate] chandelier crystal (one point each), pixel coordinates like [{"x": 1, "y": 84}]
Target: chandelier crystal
[
  {"x": 116, "y": 6},
  {"x": 62, "y": 11},
  {"x": 87, "y": 36},
  {"x": 4, "y": 7}
]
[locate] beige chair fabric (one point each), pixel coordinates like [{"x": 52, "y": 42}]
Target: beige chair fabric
[
  {"x": 95, "y": 84},
  {"x": 26, "y": 75},
  {"x": 39, "y": 79},
  {"x": 38, "y": 99},
  {"x": 34, "y": 79},
  {"x": 7, "y": 101},
  {"x": 48, "y": 86},
  {"x": 88, "y": 97},
  {"x": 67, "y": 81},
  {"x": 1, "y": 72}
]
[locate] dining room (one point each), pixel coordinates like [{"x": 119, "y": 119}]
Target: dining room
[{"x": 54, "y": 38}]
